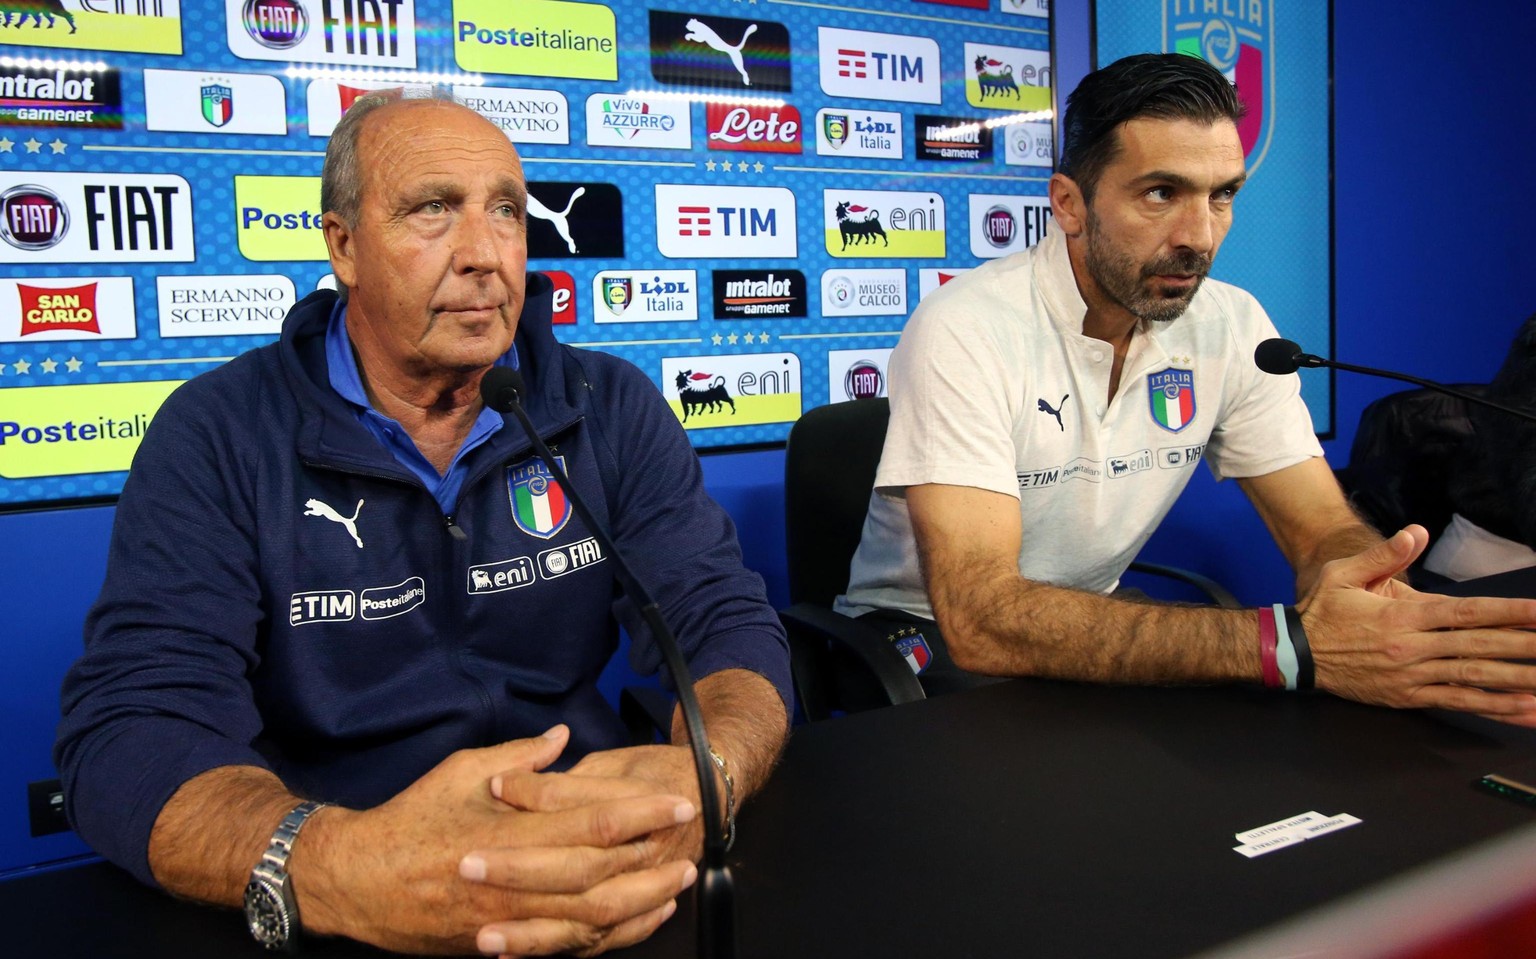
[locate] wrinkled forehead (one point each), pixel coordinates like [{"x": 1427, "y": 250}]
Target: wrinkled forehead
[{"x": 424, "y": 131}]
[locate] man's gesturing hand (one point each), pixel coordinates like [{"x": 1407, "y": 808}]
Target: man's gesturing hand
[
  {"x": 1379, "y": 641},
  {"x": 444, "y": 867}
]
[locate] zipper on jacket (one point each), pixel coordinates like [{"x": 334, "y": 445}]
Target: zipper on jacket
[{"x": 454, "y": 529}]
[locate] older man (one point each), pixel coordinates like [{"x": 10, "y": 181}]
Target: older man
[
  {"x": 337, "y": 578},
  {"x": 1047, "y": 409}
]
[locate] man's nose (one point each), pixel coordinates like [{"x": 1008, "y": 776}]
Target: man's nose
[
  {"x": 475, "y": 248},
  {"x": 1196, "y": 228}
]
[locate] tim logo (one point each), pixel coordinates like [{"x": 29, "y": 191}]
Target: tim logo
[
  {"x": 715, "y": 222},
  {"x": 539, "y": 506},
  {"x": 702, "y": 393},
  {"x": 218, "y": 104},
  {"x": 1171, "y": 395},
  {"x": 46, "y": 310},
  {"x": 322, "y": 606},
  {"x": 700, "y": 51},
  {"x": 881, "y": 66},
  {"x": 32, "y": 218},
  {"x": 1237, "y": 39},
  {"x": 275, "y": 24},
  {"x": 753, "y": 128},
  {"x": 575, "y": 220}
]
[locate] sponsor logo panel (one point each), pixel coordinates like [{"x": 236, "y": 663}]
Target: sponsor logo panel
[
  {"x": 857, "y": 374},
  {"x": 1027, "y": 8},
  {"x": 883, "y": 223},
  {"x": 197, "y": 101},
  {"x": 864, "y": 293},
  {"x": 568, "y": 220},
  {"x": 136, "y": 26},
  {"x": 878, "y": 66},
  {"x": 1083, "y": 468},
  {"x": 693, "y": 50},
  {"x": 616, "y": 120},
  {"x": 536, "y": 38},
  {"x": 67, "y": 308},
  {"x": 376, "y": 33},
  {"x": 859, "y": 133},
  {"x": 322, "y": 606},
  {"x": 1007, "y": 78},
  {"x": 645, "y": 296},
  {"x": 955, "y": 139},
  {"x": 711, "y": 222},
  {"x": 759, "y": 294},
  {"x": 1118, "y": 466},
  {"x": 564, "y": 297},
  {"x": 224, "y": 305},
  {"x": 35, "y": 96},
  {"x": 70, "y": 430},
  {"x": 758, "y": 129},
  {"x": 1177, "y": 457},
  {"x": 524, "y": 115},
  {"x": 387, "y": 602},
  {"x": 497, "y": 577},
  {"x": 278, "y": 218},
  {"x": 568, "y": 559},
  {"x": 1028, "y": 144},
  {"x": 748, "y": 389},
  {"x": 929, "y": 280},
  {"x": 1035, "y": 479},
  {"x": 1006, "y": 224},
  {"x": 95, "y": 218}
]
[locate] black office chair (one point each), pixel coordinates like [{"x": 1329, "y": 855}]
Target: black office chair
[{"x": 841, "y": 664}]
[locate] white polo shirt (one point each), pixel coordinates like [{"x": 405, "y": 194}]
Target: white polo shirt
[{"x": 994, "y": 386}]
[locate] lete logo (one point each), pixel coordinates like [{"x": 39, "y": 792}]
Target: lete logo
[{"x": 758, "y": 129}]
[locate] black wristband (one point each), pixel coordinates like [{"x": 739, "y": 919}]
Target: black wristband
[{"x": 1306, "y": 673}]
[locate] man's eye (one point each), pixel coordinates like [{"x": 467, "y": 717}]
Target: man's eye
[
  {"x": 507, "y": 210},
  {"x": 1224, "y": 196},
  {"x": 1162, "y": 194},
  {"x": 433, "y": 206}
]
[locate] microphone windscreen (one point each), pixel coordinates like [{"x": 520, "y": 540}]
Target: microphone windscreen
[
  {"x": 501, "y": 388},
  {"x": 1277, "y": 356}
]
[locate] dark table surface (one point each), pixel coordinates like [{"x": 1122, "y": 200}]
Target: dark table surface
[{"x": 1031, "y": 817}]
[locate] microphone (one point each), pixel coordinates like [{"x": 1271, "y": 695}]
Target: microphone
[
  {"x": 1280, "y": 357},
  {"x": 502, "y": 390}
]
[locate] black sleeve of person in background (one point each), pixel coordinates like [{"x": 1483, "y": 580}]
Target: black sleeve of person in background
[{"x": 1495, "y": 485}]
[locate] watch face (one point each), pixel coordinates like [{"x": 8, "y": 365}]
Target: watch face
[{"x": 265, "y": 914}]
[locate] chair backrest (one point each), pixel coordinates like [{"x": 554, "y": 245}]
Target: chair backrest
[
  {"x": 829, "y": 470},
  {"x": 1400, "y": 461}
]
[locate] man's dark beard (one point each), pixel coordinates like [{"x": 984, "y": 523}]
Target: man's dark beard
[{"x": 1121, "y": 278}]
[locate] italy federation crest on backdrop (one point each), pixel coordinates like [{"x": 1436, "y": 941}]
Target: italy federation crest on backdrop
[
  {"x": 539, "y": 506},
  {"x": 1172, "y": 395},
  {"x": 1237, "y": 39},
  {"x": 218, "y": 103}
]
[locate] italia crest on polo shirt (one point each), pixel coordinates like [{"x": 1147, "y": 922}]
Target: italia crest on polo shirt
[
  {"x": 914, "y": 649},
  {"x": 539, "y": 506},
  {"x": 1172, "y": 396}
]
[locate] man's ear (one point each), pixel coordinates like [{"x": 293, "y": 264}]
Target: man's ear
[
  {"x": 339, "y": 241},
  {"x": 1068, "y": 207}
]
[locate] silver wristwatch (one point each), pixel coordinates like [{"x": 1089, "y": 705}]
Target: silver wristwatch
[{"x": 271, "y": 912}]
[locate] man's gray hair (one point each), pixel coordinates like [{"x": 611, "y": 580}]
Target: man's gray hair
[{"x": 341, "y": 181}]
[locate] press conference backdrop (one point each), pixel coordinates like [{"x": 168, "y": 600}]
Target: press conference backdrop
[
  {"x": 1278, "y": 53},
  {"x": 744, "y": 198}
]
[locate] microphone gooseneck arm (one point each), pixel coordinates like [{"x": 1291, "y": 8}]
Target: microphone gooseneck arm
[
  {"x": 502, "y": 390},
  {"x": 1271, "y": 358}
]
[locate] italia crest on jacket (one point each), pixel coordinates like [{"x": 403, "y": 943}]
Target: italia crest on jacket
[{"x": 539, "y": 506}]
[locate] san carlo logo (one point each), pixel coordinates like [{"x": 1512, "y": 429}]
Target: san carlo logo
[
  {"x": 32, "y": 218},
  {"x": 276, "y": 24}
]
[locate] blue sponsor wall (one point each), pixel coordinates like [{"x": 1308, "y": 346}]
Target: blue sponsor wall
[{"x": 1433, "y": 276}]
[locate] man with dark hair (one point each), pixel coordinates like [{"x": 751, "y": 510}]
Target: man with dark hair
[
  {"x": 344, "y": 597},
  {"x": 1007, "y": 514}
]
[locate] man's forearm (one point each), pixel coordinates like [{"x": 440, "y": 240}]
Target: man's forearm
[
  {"x": 1009, "y": 626},
  {"x": 745, "y": 719},
  {"x": 213, "y": 830}
]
